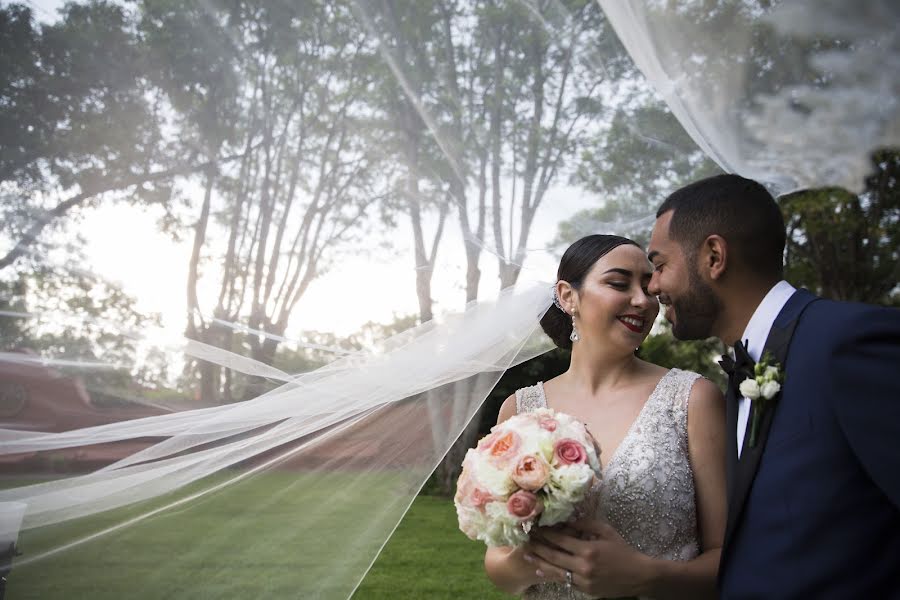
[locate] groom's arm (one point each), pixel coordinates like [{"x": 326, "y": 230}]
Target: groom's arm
[{"x": 865, "y": 393}]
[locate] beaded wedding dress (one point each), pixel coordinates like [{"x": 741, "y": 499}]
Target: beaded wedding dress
[{"x": 647, "y": 491}]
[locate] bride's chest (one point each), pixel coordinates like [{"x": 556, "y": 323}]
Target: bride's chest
[{"x": 649, "y": 477}]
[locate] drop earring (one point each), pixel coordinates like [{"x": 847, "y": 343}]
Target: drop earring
[{"x": 573, "y": 337}]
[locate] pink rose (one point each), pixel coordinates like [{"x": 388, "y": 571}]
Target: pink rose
[
  {"x": 504, "y": 448},
  {"x": 524, "y": 505},
  {"x": 570, "y": 452},
  {"x": 531, "y": 473},
  {"x": 478, "y": 498},
  {"x": 469, "y": 494},
  {"x": 548, "y": 423}
]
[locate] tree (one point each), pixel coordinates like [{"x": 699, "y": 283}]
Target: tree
[
  {"x": 463, "y": 142},
  {"x": 408, "y": 82},
  {"x": 539, "y": 90},
  {"x": 84, "y": 120},
  {"x": 93, "y": 321},
  {"x": 844, "y": 246},
  {"x": 283, "y": 86},
  {"x": 632, "y": 166}
]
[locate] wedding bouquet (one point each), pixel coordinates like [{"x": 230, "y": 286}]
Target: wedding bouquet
[{"x": 534, "y": 468}]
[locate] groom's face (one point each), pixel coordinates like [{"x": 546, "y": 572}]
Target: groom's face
[{"x": 691, "y": 305}]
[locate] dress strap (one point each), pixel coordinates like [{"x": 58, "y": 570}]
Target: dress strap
[{"x": 530, "y": 398}]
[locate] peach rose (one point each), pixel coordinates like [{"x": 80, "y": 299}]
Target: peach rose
[
  {"x": 524, "y": 505},
  {"x": 487, "y": 441},
  {"x": 505, "y": 448},
  {"x": 531, "y": 473},
  {"x": 570, "y": 452}
]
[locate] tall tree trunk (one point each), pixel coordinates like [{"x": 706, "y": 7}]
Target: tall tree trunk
[{"x": 197, "y": 329}]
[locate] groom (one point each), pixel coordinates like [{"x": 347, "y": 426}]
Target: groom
[{"x": 813, "y": 472}]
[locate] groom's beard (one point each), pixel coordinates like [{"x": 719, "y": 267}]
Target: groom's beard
[{"x": 696, "y": 311}]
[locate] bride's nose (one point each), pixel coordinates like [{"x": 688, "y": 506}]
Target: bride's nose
[{"x": 641, "y": 298}]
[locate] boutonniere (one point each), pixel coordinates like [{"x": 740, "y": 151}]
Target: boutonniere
[{"x": 762, "y": 389}]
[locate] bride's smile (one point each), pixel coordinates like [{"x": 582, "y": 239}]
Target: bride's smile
[{"x": 634, "y": 323}]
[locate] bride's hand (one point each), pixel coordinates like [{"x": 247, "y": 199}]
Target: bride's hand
[{"x": 600, "y": 560}]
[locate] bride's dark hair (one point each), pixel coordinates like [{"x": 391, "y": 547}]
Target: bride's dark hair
[{"x": 575, "y": 264}]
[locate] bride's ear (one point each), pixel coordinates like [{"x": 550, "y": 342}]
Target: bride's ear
[
  {"x": 714, "y": 256},
  {"x": 567, "y": 295}
]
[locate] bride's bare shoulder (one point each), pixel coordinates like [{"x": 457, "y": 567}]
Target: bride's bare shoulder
[{"x": 507, "y": 409}]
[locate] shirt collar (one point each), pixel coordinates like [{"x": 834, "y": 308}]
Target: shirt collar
[{"x": 761, "y": 322}]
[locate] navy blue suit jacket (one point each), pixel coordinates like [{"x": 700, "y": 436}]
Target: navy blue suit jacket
[{"x": 814, "y": 507}]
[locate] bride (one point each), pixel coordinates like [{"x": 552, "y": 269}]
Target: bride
[{"x": 657, "y": 519}]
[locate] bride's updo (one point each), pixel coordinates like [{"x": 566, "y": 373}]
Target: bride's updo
[{"x": 575, "y": 264}]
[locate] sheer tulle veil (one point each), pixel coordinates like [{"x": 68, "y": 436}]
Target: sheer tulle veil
[{"x": 305, "y": 481}]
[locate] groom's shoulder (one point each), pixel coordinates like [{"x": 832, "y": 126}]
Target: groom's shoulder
[
  {"x": 841, "y": 312},
  {"x": 843, "y": 321}
]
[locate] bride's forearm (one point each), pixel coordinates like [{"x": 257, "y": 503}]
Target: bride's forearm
[
  {"x": 508, "y": 570},
  {"x": 672, "y": 579}
]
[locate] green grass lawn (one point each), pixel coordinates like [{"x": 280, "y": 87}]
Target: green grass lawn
[
  {"x": 246, "y": 542},
  {"x": 428, "y": 557}
]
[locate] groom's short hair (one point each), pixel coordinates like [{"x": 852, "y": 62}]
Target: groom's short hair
[{"x": 740, "y": 210}]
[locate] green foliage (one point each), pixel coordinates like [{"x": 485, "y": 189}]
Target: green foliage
[
  {"x": 94, "y": 321},
  {"x": 632, "y": 166},
  {"x": 13, "y": 330},
  {"x": 81, "y": 114},
  {"x": 370, "y": 335},
  {"x": 700, "y": 356},
  {"x": 846, "y": 246}
]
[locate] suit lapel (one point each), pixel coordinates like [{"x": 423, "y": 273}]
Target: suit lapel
[{"x": 743, "y": 473}]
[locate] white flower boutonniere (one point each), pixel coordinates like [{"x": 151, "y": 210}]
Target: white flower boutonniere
[{"x": 761, "y": 390}]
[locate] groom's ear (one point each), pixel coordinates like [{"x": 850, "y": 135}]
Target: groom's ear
[{"x": 714, "y": 256}]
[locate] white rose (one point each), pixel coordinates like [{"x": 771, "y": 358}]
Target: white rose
[
  {"x": 769, "y": 389},
  {"x": 556, "y": 510},
  {"x": 545, "y": 448},
  {"x": 502, "y": 529},
  {"x": 571, "y": 482},
  {"x": 750, "y": 389},
  {"x": 493, "y": 480},
  {"x": 535, "y": 441},
  {"x": 471, "y": 521},
  {"x": 771, "y": 373}
]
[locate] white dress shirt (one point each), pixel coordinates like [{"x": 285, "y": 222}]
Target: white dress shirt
[{"x": 755, "y": 336}]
